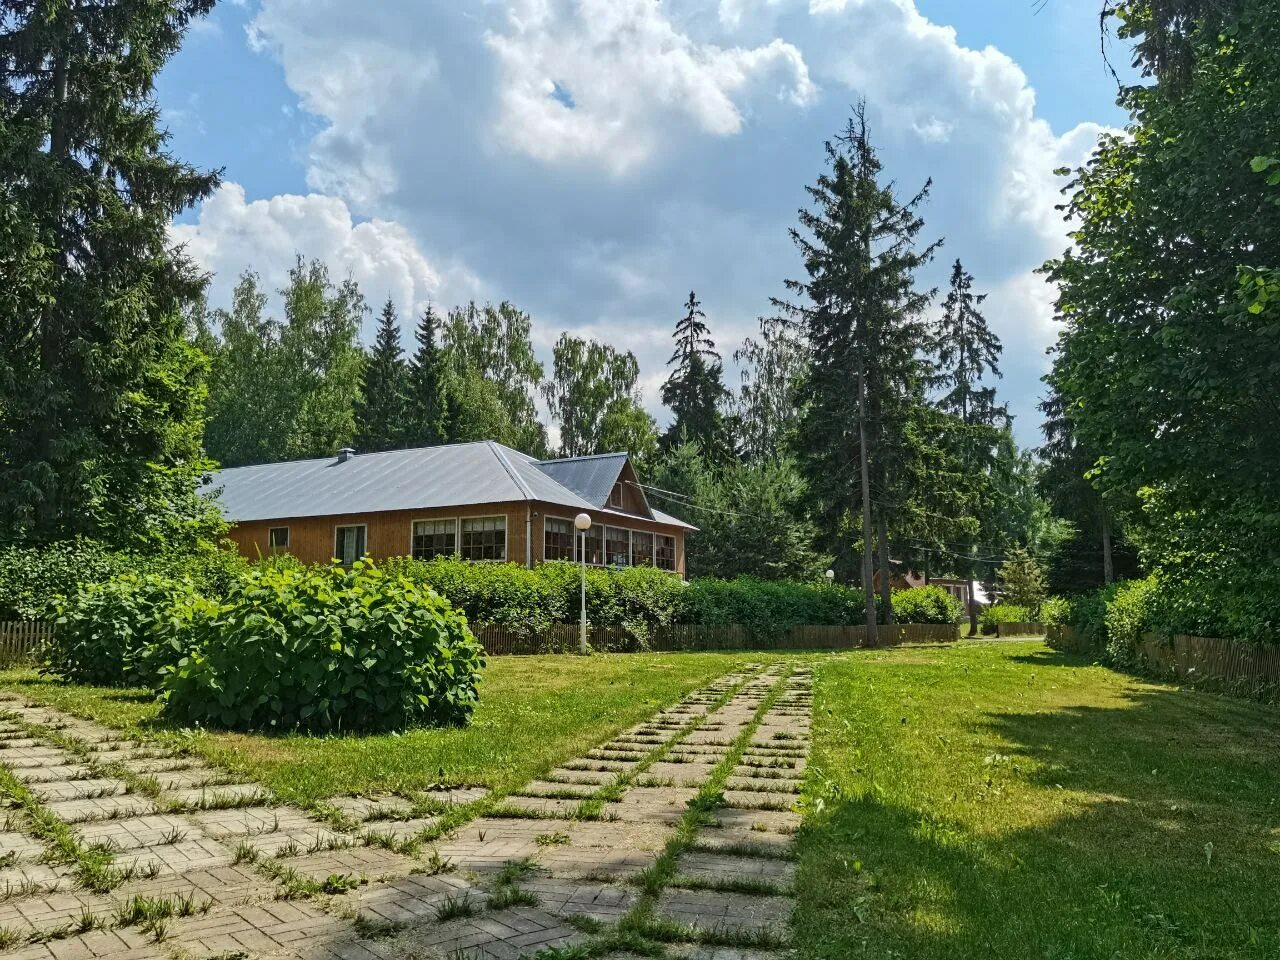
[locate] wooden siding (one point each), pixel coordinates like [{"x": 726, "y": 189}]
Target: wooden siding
[{"x": 389, "y": 533}]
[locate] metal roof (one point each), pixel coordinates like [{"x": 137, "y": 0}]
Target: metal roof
[
  {"x": 592, "y": 478},
  {"x": 456, "y": 475}
]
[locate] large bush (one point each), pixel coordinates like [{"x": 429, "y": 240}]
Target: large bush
[
  {"x": 121, "y": 631},
  {"x": 769, "y": 607},
  {"x": 928, "y": 604},
  {"x": 1131, "y": 612},
  {"x": 1055, "y": 611},
  {"x": 323, "y": 648}
]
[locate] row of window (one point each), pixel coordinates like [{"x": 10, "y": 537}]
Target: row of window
[
  {"x": 607, "y": 546},
  {"x": 485, "y": 538}
]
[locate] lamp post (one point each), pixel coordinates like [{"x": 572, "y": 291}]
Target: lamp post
[
  {"x": 582, "y": 522},
  {"x": 831, "y": 576}
]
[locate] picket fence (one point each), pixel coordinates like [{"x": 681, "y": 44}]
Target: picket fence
[
  {"x": 1019, "y": 629},
  {"x": 20, "y": 638}
]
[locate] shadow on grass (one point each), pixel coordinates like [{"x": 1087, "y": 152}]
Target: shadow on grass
[{"x": 1141, "y": 831}]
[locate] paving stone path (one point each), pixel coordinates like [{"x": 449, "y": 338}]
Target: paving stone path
[{"x": 678, "y": 828}]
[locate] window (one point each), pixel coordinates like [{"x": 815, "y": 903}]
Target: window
[
  {"x": 615, "y": 495},
  {"x": 666, "y": 557},
  {"x": 349, "y": 544},
  {"x": 484, "y": 538},
  {"x": 557, "y": 539},
  {"x": 641, "y": 549},
  {"x": 434, "y": 538},
  {"x": 277, "y": 539},
  {"x": 595, "y": 545},
  {"x": 617, "y": 546}
]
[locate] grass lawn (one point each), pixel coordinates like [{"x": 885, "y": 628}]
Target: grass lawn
[
  {"x": 1001, "y": 800},
  {"x": 533, "y": 713}
]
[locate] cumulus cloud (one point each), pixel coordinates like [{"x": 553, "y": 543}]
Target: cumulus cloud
[
  {"x": 601, "y": 81},
  {"x": 593, "y": 160},
  {"x": 233, "y": 235}
]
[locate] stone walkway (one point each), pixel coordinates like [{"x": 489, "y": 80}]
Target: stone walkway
[{"x": 678, "y": 830}]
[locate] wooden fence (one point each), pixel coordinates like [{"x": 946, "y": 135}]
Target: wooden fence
[
  {"x": 1019, "y": 629},
  {"x": 1248, "y": 669},
  {"x": 20, "y": 638},
  {"x": 1068, "y": 640},
  {"x": 563, "y": 638}
]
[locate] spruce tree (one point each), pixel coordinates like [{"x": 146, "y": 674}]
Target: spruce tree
[
  {"x": 859, "y": 315},
  {"x": 101, "y": 394},
  {"x": 968, "y": 351},
  {"x": 695, "y": 389},
  {"x": 427, "y": 404},
  {"x": 381, "y": 415}
]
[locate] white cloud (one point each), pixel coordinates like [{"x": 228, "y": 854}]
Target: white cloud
[
  {"x": 629, "y": 74},
  {"x": 594, "y": 159},
  {"x": 232, "y": 235}
]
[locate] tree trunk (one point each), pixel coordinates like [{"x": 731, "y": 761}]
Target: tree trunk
[
  {"x": 868, "y": 528},
  {"x": 1108, "y": 568},
  {"x": 886, "y": 571}
]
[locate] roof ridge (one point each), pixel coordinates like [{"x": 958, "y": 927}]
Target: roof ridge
[
  {"x": 371, "y": 453},
  {"x": 497, "y": 448},
  {"x": 587, "y": 456}
]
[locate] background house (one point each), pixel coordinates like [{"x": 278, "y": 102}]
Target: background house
[{"x": 481, "y": 501}]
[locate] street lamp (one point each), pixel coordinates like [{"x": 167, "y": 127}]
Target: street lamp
[
  {"x": 583, "y": 523},
  {"x": 831, "y": 576}
]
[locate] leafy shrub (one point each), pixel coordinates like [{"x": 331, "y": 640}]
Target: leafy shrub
[
  {"x": 926, "y": 604},
  {"x": 121, "y": 631},
  {"x": 33, "y": 578},
  {"x": 323, "y": 648},
  {"x": 1130, "y": 612},
  {"x": 1002, "y": 613},
  {"x": 769, "y": 607},
  {"x": 1055, "y": 611},
  {"x": 1089, "y": 616}
]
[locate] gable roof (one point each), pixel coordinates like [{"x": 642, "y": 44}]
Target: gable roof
[
  {"x": 592, "y": 478},
  {"x": 455, "y": 475}
]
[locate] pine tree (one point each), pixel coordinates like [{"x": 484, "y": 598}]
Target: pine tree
[
  {"x": 427, "y": 404},
  {"x": 101, "y": 394},
  {"x": 695, "y": 389},
  {"x": 1021, "y": 580},
  {"x": 968, "y": 351},
  {"x": 859, "y": 315},
  {"x": 381, "y": 416}
]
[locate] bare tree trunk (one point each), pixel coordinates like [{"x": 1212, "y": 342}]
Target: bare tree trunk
[
  {"x": 868, "y": 587},
  {"x": 1108, "y": 568},
  {"x": 886, "y": 570}
]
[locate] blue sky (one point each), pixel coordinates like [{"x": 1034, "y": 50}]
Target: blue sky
[{"x": 593, "y": 160}]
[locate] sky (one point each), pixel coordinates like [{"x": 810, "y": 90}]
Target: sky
[{"x": 592, "y": 161}]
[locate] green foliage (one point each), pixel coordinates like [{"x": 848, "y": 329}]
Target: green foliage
[
  {"x": 1130, "y": 613},
  {"x": 1055, "y": 611},
  {"x": 1003, "y": 613},
  {"x": 33, "y": 578},
  {"x": 323, "y": 648},
  {"x": 122, "y": 631},
  {"x": 695, "y": 389},
  {"x": 593, "y": 396},
  {"x": 769, "y": 607},
  {"x": 1168, "y": 359},
  {"x": 382, "y": 411},
  {"x": 926, "y": 604},
  {"x": 1021, "y": 580},
  {"x": 752, "y": 516},
  {"x": 285, "y": 389},
  {"x": 101, "y": 393}
]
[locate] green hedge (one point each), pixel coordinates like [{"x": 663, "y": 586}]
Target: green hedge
[
  {"x": 927, "y": 604},
  {"x": 33, "y": 578},
  {"x": 324, "y": 649},
  {"x": 998, "y": 613}
]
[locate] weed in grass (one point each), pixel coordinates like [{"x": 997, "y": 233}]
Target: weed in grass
[
  {"x": 551, "y": 839},
  {"x": 368, "y": 928},
  {"x": 436, "y": 864},
  {"x": 340, "y": 883},
  {"x": 514, "y": 871},
  {"x": 9, "y": 938},
  {"x": 456, "y": 908},
  {"x": 173, "y": 835},
  {"x": 748, "y": 885},
  {"x": 9, "y": 859},
  {"x": 512, "y": 896},
  {"x": 243, "y": 853}
]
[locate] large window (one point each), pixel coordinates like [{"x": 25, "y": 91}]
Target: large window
[
  {"x": 641, "y": 549},
  {"x": 666, "y": 557},
  {"x": 349, "y": 544},
  {"x": 484, "y": 538},
  {"x": 434, "y": 538},
  {"x": 557, "y": 539},
  {"x": 595, "y": 545},
  {"x": 617, "y": 546},
  {"x": 277, "y": 539}
]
